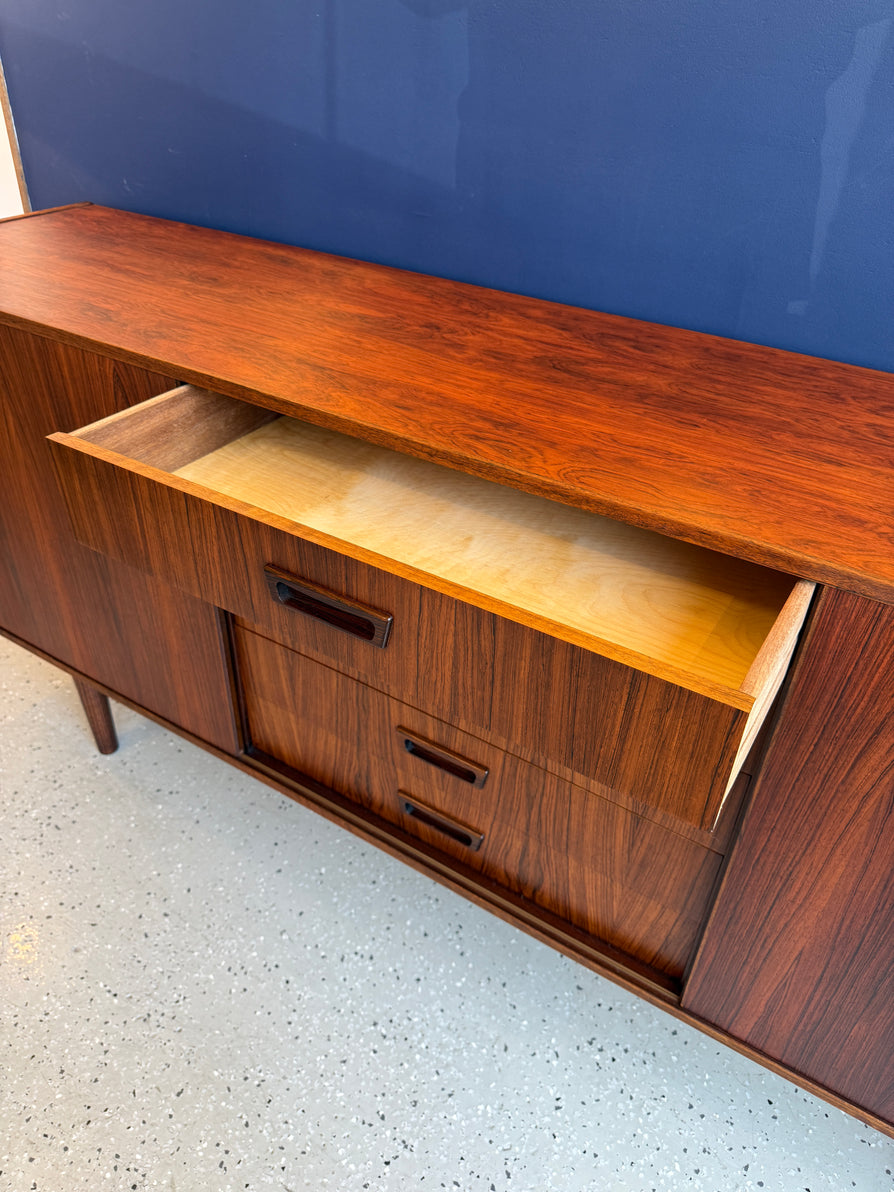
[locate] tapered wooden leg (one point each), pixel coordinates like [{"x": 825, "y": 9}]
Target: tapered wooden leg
[{"x": 99, "y": 716}]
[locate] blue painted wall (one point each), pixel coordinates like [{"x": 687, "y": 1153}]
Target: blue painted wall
[{"x": 722, "y": 165}]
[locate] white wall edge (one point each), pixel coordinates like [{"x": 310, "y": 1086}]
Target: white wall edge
[{"x": 13, "y": 191}]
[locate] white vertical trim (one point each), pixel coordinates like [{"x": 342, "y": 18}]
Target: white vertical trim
[{"x": 13, "y": 191}]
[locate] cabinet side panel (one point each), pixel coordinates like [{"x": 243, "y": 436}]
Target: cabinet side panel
[
  {"x": 134, "y": 634},
  {"x": 798, "y": 958}
]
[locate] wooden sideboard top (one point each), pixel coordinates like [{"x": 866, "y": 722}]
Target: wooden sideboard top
[{"x": 782, "y": 459}]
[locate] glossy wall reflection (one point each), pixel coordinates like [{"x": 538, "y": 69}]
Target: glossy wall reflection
[{"x": 721, "y": 167}]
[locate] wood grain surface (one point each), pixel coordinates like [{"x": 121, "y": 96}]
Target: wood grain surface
[
  {"x": 126, "y": 630},
  {"x": 781, "y": 459},
  {"x": 798, "y": 958},
  {"x": 176, "y": 427},
  {"x": 598, "y": 866}
]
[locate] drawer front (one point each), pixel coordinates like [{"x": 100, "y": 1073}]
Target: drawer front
[
  {"x": 602, "y": 868},
  {"x": 631, "y": 737}
]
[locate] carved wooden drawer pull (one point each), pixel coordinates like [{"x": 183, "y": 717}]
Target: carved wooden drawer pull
[
  {"x": 460, "y": 833},
  {"x": 340, "y": 612},
  {"x": 444, "y": 759}
]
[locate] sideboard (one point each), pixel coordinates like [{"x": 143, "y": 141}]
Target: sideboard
[{"x": 588, "y": 618}]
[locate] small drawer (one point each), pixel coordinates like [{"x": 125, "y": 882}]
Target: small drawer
[
  {"x": 610, "y": 872},
  {"x": 610, "y": 655}
]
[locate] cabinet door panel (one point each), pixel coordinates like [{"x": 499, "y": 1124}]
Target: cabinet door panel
[
  {"x": 132, "y": 633},
  {"x": 798, "y": 959}
]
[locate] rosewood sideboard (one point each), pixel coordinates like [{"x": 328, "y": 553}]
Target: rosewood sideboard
[{"x": 588, "y": 618}]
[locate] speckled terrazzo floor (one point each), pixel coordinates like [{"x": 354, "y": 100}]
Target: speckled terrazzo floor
[{"x": 204, "y": 986}]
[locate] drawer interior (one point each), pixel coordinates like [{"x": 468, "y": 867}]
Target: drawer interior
[{"x": 713, "y": 624}]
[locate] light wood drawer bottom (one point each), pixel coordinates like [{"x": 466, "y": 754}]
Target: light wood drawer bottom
[{"x": 602, "y": 868}]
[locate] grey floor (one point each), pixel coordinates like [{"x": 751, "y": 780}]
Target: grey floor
[{"x": 204, "y": 986}]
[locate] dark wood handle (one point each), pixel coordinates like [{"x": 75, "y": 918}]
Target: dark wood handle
[
  {"x": 369, "y": 624},
  {"x": 444, "y": 759},
  {"x": 461, "y": 833}
]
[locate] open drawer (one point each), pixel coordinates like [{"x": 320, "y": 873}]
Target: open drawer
[{"x": 183, "y": 484}]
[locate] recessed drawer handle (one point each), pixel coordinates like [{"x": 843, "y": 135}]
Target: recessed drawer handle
[
  {"x": 441, "y": 823},
  {"x": 445, "y": 759},
  {"x": 357, "y": 619}
]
